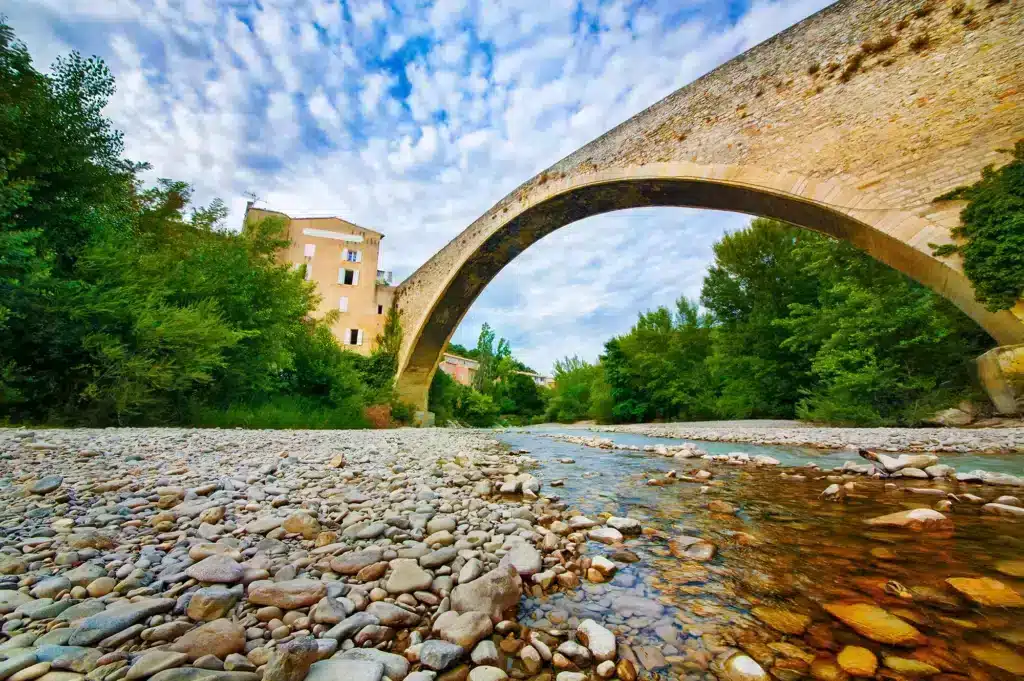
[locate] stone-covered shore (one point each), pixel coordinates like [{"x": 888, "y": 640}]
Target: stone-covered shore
[
  {"x": 234, "y": 555},
  {"x": 794, "y": 434}
]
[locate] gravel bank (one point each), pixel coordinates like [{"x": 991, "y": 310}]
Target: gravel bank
[
  {"x": 791, "y": 433},
  {"x": 233, "y": 555}
]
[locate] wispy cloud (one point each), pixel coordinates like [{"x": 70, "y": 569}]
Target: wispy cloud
[{"x": 414, "y": 117}]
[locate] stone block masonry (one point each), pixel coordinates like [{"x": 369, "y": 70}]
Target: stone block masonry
[{"x": 849, "y": 123}]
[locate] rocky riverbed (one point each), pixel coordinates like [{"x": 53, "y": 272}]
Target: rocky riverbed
[
  {"x": 186, "y": 555},
  {"x": 795, "y": 434}
]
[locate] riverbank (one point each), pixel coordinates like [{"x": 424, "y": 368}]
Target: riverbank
[
  {"x": 797, "y": 434},
  {"x": 811, "y": 573},
  {"x": 233, "y": 555}
]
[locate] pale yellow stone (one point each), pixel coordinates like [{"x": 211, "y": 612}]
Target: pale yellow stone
[
  {"x": 871, "y": 621},
  {"x": 987, "y": 591},
  {"x": 857, "y": 661}
]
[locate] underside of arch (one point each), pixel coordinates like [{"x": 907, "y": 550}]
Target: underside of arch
[{"x": 508, "y": 230}]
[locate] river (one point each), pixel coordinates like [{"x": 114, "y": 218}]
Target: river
[{"x": 779, "y": 559}]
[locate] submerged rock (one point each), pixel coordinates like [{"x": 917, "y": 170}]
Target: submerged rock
[
  {"x": 871, "y": 621},
  {"x": 917, "y": 519},
  {"x": 987, "y": 591}
]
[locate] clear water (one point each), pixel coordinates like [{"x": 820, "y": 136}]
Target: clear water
[{"x": 784, "y": 548}]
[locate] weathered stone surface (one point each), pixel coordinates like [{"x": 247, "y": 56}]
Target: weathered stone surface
[
  {"x": 408, "y": 576},
  {"x": 288, "y": 595},
  {"x": 120, "y": 616},
  {"x": 346, "y": 670},
  {"x": 598, "y": 640},
  {"x": 155, "y": 661},
  {"x": 216, "y": 569},
  {"x": 219, "y": 638},
  {"x": 396, "y": 667},
  {"x": 493, "y": 593},
  {"x": 464, "y": 630},
  {"x": 439, "y": 655},
  {"x": 291, "y": 661}
]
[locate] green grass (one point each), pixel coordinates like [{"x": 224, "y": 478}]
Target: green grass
[{"x": 279, "y": 413}]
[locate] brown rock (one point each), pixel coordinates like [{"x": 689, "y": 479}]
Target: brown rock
[
  {"x": 219, "y": 637},
  {"x": 288, "y": 595},
  {"x": 291, "y": 661}
]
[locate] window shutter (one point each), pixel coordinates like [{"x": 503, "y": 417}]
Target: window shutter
[
  {"x": 347, "y": 336},
  {"x": 359, "y": 256},
  {"x": 341, "y": 275},
  {"x": 343, "y": 304},
  {"x": 359, "y": 337},
  {"x": 355, "y": 278},
  {"x": 344, "y": 254},
  {"x": 310, "y": 250}
]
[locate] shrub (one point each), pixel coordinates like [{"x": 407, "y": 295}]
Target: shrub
[{"x": 992, "y": 227}]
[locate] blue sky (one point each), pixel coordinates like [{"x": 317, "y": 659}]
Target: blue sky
[{"x": 414, "y": 117}]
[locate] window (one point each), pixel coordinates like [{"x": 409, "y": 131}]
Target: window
[
  {"x": 309, "y": 271},
  {"x": 380, "y": 309},
  {"x": 348, "y": 277},
  {"x": 310, "y": 250},
  {"x": 351, "y": 256},
  {"x": 354, "y": 336},
  {"x": 343, "y": 304}
]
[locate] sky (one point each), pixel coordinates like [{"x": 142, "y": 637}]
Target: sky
[{"x": 413, "y": 117}]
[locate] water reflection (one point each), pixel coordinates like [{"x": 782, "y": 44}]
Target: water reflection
[{"x": 780, "y": 560}]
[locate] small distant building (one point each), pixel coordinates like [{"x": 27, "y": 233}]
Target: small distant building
[
  {"x": 342, "y": 258},
  {"x": 539, "y": 379},
  {"x": 461, "y": 369}
]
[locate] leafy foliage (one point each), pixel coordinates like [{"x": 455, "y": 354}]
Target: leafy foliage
[
  {"x": 796, "y": 324},
  {"x": 992, "y": 227},
  {"x": 122, "y": 304}
]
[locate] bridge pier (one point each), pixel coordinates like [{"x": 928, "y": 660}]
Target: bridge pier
[{"x": 1001, "y": 372}]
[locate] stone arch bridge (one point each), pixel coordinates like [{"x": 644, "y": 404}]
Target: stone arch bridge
[{"x": 849, "y": 123}]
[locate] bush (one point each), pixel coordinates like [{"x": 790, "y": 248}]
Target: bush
[{"x": 992, "y": 227}]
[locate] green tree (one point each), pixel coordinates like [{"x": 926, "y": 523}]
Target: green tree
[
  {"x": 757, "y": 274},
  {"x": 571, "y": 395},
  {"x": 883, "y": 348},
  {"x": 992, "y": 227},
  {"x": 658, "y": 370}
]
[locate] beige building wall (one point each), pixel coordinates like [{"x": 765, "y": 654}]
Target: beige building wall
[{"x": 342, "y": 259}]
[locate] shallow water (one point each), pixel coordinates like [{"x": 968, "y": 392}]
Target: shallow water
[{"x": 784, "y": 548}]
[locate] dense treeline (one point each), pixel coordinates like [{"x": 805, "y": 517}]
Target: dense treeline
[
  {"x": 499, "y": 393},
  {"x": 790, "y": 324},
  {"x": 122, "y": 304}
]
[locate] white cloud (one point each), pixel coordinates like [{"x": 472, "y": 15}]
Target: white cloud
[{"x": 309, "y": 104}]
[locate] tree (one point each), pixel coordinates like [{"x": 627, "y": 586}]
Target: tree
[
  {"x": 992, "y": 229},
  {"x": 571, "y": 395},
  {"x": 757, "y": 274},
  {"x": 657, "y": 370}
]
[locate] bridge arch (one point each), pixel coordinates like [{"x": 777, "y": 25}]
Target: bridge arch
[
  {"x": 437, "y": 297},
  {"x": 849, "y": 123}
]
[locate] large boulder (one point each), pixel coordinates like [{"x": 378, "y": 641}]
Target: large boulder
[{"x": 493, "y": 593}]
